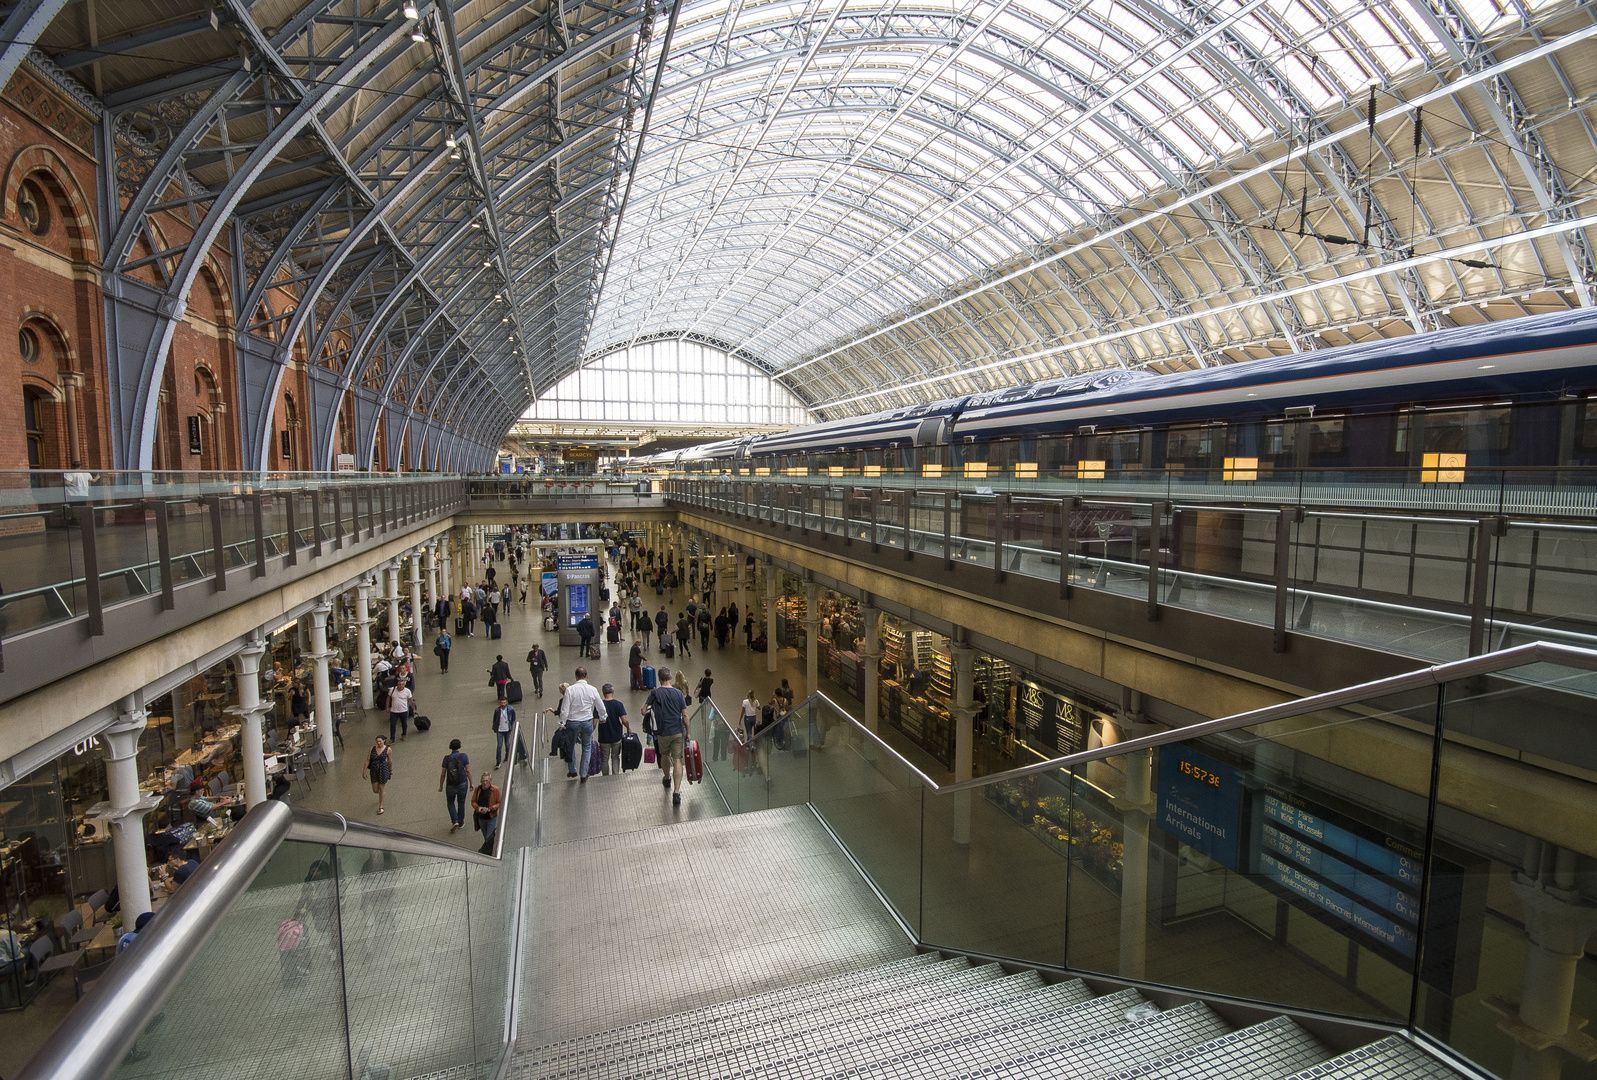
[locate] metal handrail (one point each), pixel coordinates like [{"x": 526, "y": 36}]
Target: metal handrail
[
  {"x": 1435, "y": 675},
  {"x": 95, "y": 1037}
]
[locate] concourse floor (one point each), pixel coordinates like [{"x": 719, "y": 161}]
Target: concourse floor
[{"x": 460, "y": 705}]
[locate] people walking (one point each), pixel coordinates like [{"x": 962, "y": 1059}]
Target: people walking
[
  {"x": 702, "y": 691},
  {"x": 748, "y": 632},
  {"x": 644, "y": 627},
  {"x": 504, "y": 720},
  {"x": 537, "y": 664},
  {"x": 379, "y": 769},
  {"x": 454, "y": 780},
  {"x": 635, "y": 662},
  {"x": 441, "y": 649},
  {"x": 671, "y": 730},
  {"x": 662, "y": 624},
  {"x": 585, "y": 632},
  {"x": 499, "y": 675},
  {"x": 751, "y": 715},
  {"x": 485, "y": 800},
  {"x": 684, "y": 634},
  {"x": 720, "y": 629},
  {"x": 400, "y": 700},
  {"x": 704, "y": 628},
  {"x": 611, "y": 731},
  {"x": 580, "y": 707}
]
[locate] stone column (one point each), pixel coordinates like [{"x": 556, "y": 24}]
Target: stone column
[
  {"x": 391, "y": 590},
  {"x": 432, "y": 572},
  {"x": 320, "y": 686},
  {"x": 363, "y": 641},
  {"x": 737, "y": 558},
  {"x": 770, "y": 617},
  {"x": 1557, "y": 927},
  {"x": 448, "y": 582},
  {"x": 964, "y": 714},
  {"x": 249, "y": 710},
  {"x": 812, "y": 645},
  {"x": 126, "y": 808},
  {"x": 1135, "y": 807},
  {"x": 872, "y": 657},
  {"x": 415, "y": 599},
  {"x": 70, "y": 382}
]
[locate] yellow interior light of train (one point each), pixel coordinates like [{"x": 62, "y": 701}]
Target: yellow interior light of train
[
  {"x": 1089, "y": 470},
  {"x": 931, "y": 468},
  {"x": 762, "y": 471},
  {"x": 1026, "y": 470},
  {"x": 1241, "y": 468},
  {"x": 834, "y": 470},
  {"x": 873, "y": 470},
  {"x": 975, "y": 470},
  {"x": 1443, "y": 468},
  {"x": 798, "y": 470}
]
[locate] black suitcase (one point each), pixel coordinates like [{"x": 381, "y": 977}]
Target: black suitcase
[
  {"x": 512, "y": 691},
  {"x": 493, "y": 631},
  {"x": 422, "y": 723},
  {"x": 613, "y": 634},
  {"x": 460, "y": 626},
  {"x": 668, "y": 647},
  {"x": 631, "y": 752}
]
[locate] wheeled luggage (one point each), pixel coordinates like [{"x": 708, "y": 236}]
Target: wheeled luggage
[
  {"x": 422, "y": 723},
  {"x": 668, "y": 648},
  {"x": 595, "y": 757},
  {"x": 548, "y": 622},
  {"x": 649, "y": 682},
  {"x": 460, "y": 626},
  {"x": 593, "y": 651},
  {"x": 493, "y": 631},
  {"x": 694, "y": 761},
  {"x": 612, "y": 634},
  {"x": 631, "y": 752},
  {"x": 512, "y": 691}
]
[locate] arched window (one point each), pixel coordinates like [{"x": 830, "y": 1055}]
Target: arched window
[
  {"x": 33, "y": 206},
  {"x": 670, "y": 382},
  {"x": 34, "y": 405}
]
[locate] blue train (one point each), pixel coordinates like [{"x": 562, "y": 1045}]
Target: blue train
[{"x": 1513, "y": 394}]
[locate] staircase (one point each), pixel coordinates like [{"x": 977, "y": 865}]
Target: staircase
[{"x": 924, "y": 1016}]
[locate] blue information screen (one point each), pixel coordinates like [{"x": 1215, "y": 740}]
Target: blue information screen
[
  {"x": 1200, "y": 802},
  {"x": 577, "y": 597},
  {"x": 577, "y": 562}
]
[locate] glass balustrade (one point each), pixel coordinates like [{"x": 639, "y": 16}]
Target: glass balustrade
[{"x": 1422, "y": 853}]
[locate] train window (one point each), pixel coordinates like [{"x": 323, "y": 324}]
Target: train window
[
  {"x": 1191, "y": 444},
  {"x": 1478, "y": 429},
  {"x": 1121, "y": 449},
  {"x": 1586, "y": 427},
  {"x": 1054, "y": 452},
  {"x": 1327, "y": 435},
  {"x": 1280, "y": 439}
]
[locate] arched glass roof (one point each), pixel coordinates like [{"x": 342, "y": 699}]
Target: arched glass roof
[
  {"x": 671, "y": 382},
  {"x": 895, "y": 201}
]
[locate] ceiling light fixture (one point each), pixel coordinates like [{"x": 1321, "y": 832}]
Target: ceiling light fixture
[
  {"x": 411, "y": 12},
  {"x": 449, "y": 141},
  {"x": 417, "y": 35}
]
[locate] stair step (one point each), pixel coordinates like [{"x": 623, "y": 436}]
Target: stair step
[
  {"x": 1046, "y": 1017},
  {"x": 918, "y": 970},
  {"x": 797, "y": 1037},
  {"x": 1391, "y": 1058},
  {"x": 1101, "y": 1054},
  {"x": 1264, "y": 1051}
]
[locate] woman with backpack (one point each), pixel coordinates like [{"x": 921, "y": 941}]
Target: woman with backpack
[{"x": 441, "y": 649}]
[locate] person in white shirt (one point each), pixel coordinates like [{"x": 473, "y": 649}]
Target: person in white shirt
[
  {"x": 580, "y": 707},
  {"x": 399, "y": 702}
]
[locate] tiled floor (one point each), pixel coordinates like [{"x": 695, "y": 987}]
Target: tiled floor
[{"x": 636, "y": 925}]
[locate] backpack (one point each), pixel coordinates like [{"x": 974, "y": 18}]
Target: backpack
[{"x": 454, "y": 771}]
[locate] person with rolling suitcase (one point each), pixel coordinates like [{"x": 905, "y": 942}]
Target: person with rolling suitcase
[
  {"x": 580, "y": 707},
  {"x": 635, "y": 662},
  {"x": 667, "y": 709},
  {"x": 612, "y": 729}
]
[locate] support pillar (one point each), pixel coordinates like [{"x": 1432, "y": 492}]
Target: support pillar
[
  {"x": 448, "y": 582},
  {"x": 363, "y": 642},
  {"x": 770, "y": 617},
  {"x": 812, "y": 646},
  {"x": 391, "y": 596},
  {"x": 873, "y": 657},
  {"x": 416, "y": 621},
  {"x": 432, "y": 573},
  {"x": 249, "y": 710},
  {"x": 737, "y": 558},
  {"x": 1557, "y": 927},
  {"x": 964, "y": 714},
  {"x": 1136, "y": 806},
  {"x": 321, "y": 688},
  {"x": 126, "y": 807}
]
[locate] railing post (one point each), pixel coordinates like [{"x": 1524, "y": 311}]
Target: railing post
[
  {"x": 1067, "y": 547},
  {"x": 338, "y": 520},
  {"x": 876, "y": 539},
  {"x": 948, "y": 530},
  {"x": 91, "y": 569},
  {"x": 1155, "y": 536},
  {"x": 163, "y": 544},
  {"x": 218, "y": 542},
  {"x": 1283, "y": 563},
  {"x": 909, "y": 501},
  {"x": 293, "y": 534},
  {"x": 1486, "y": 529},
  {"x": 258, "y": 508},
  {"x": 316, "y": 522},
  {"x": 1001, "y": 506},
  {"x": 371, "y": 512}
]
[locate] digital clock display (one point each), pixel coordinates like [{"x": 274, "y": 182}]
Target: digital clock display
[{"x": 1198, "y": 773}]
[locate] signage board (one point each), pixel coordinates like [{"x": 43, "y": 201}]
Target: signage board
[
  {"x": 1050, "y": 720},
  {"x": 577, "y": 562},
  {"x": 1200, "y": 802},
  {"x": 194, "y": 435}
]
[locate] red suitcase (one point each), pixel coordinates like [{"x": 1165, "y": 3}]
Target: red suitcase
[{"x": 694, "y": 762}]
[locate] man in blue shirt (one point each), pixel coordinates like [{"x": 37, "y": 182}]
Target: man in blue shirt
[
  {"x": 181, "y": 869},
  {"x": 668, "y": 707},
  {"x": 611, "y": 729}
]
